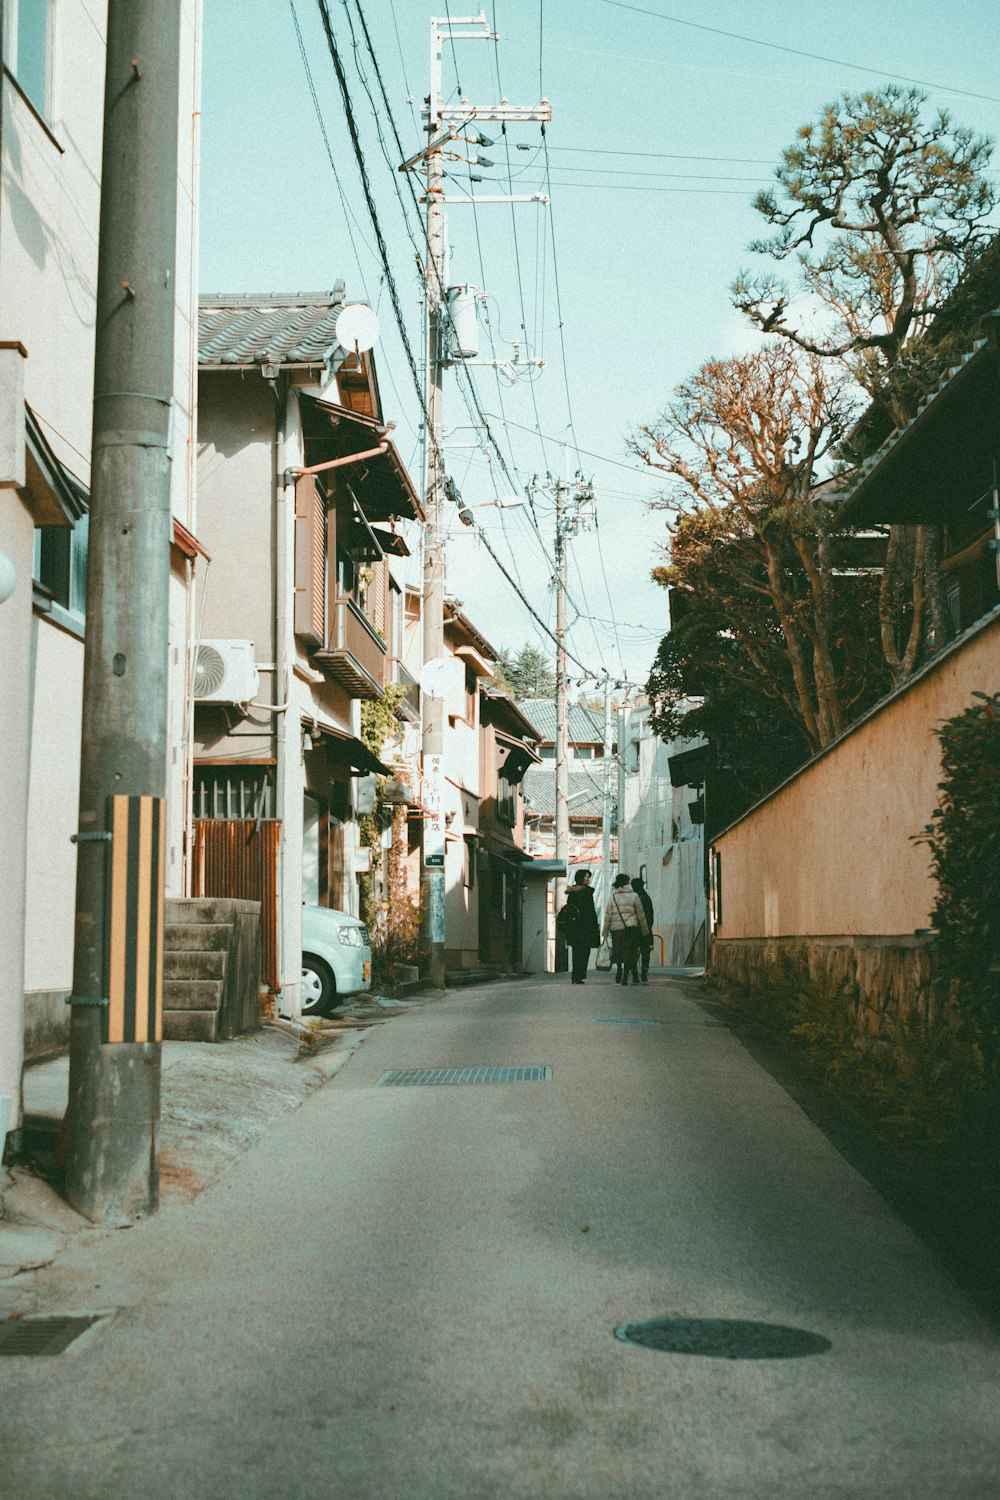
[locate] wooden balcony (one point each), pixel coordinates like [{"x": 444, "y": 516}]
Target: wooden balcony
[{"x": 355, "y": 655}]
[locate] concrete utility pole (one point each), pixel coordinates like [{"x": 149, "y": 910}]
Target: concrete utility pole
[
  {"x": 562, "y": 698},
  {"x": 606, "y": 798},
  {"x": 445, "y": 126},
  {"x": 574, "y": 509},
  {"x": 114, "y": 1098}
]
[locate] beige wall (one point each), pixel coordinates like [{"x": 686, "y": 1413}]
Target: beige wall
[
  {"x": 236, "y": 437},
  {"x": 832, "y": 851}
]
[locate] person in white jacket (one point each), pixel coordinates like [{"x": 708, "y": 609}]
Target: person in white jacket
[{"x": 625, "y": 919}]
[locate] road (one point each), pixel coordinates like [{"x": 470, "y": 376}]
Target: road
[{"x": 413, "y": 1291}]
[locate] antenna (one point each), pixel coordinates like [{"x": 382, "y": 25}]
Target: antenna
[{"x": 357, "y": 329}]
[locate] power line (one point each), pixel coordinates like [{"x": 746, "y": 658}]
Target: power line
[
  {"x": 750, "y": 161},
  {"x": 839, "y": 62},
  {"x": 372, "y": 210},
  {"x": 348, "y": 211},
  {"x": 589, "y": 454}
]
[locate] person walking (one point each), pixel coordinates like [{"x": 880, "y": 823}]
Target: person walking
[
  {"x": 577, "y": 925},
  {"x": 646, "y": 946},
  {"x": 626, "y": 921}
]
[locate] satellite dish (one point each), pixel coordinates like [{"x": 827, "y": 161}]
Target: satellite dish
[
  {"x": 434, "y": 677},
  {"x": 357, "y": 328}
]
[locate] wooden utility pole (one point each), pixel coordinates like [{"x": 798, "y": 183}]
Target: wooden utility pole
[{"x": 114, "y": 1096}]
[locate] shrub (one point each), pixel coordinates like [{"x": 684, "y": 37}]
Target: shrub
[{"x": 964, "y": 839}]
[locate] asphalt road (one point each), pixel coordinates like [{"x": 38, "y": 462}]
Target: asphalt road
[{"x": 412, "y": 1292}]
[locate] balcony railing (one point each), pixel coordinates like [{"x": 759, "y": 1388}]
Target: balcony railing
[
  {"x": 355, "y": 655},
  {"x": 411, "y": 690}
]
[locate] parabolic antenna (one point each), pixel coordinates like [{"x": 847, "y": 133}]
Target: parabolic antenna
[
  {"x": 434, "y": 677},
  {"x": 357, "y": 328}
]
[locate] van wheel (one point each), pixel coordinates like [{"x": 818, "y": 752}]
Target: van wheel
[{"x": 319, "y": 988}]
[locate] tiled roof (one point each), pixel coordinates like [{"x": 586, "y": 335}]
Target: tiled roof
[
  {"x": 585, "y": 795},
  {"x": 868, "y": 465},
  {"x": 585, "y": 724},
  {"x": 284, "y": 328}
]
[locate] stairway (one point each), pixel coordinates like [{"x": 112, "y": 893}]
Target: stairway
[{"x": 211, "y": 969}]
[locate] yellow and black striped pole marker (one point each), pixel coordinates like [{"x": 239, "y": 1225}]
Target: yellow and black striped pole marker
[{"x": 134, "y": 952}]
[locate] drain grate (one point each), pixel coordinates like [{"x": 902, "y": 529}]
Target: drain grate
[
  {"x": 409, "y": 1077},
  {"x": 42, "y": 1335},
  {"x": 723, "y": 1338},
  {"x": 621, "y": 1021}
]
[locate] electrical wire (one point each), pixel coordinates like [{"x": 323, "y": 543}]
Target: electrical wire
[
  {"x": 839, "y": 62},
  {"x": 750, "y": 161},
  {"x": 348, "y": 211}
]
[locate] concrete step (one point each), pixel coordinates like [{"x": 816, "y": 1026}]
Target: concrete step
[
  {"x": 192, "y": 994},
  {"x": 196, "y": 964},
  {"x": 213, "y": 936},
  {"x": 201, "y": 909},
  {"x": 190, "y": 1025}
]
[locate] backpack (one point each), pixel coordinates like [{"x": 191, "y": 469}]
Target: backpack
[{"x": 566, "y": 922}]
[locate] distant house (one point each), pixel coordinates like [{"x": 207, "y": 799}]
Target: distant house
[
  {"x": 506, "y": 746},
  {"x": 487, "y": 746},
  {"x": 586, "y": 784},
  {"x": 303, "y": 506}
]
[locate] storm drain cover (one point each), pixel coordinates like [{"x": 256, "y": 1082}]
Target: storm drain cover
[
  {"x": 47, "y": 1335},
  {"x": 723, "y": 1338},
  {"x": 621, "y": 1021},
  {"x": 408, "y": 1077}
]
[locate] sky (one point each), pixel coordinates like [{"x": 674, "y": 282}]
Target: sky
[{"x": 663, "y": 129}]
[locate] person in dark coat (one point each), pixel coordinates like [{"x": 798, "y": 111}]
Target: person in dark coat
[
  {"x": 646, "y": 947},
  {"x": 577, "y": 925}
]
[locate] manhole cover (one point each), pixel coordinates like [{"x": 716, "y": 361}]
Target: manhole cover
[
  {"x": 409, "y": 1077},
  {"x": 45, "y": 1335},
  {"x": 621, "y": 1021},
  {"x": 723, "y": 1338}
]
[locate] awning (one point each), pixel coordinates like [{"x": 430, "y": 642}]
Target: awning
[
  {"x": 519, "y": 758},
  {"x": 689, "y": 767},
  {"x": 381, "y": 484},
  {"x": 941, "y": 457},
  {"x": 345, "y": 750},
  {"x": 54, "y": 496}
]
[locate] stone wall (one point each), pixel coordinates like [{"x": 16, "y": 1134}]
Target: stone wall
[{"x": 890, "y": 979}]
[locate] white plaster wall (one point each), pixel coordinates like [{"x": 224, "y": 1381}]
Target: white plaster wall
[
  {"x": 657, "y": 833},
  {"x": 49, "y": 217},
  {"x": 54, "y": 787},
  {"x": 17, "y": 534}
]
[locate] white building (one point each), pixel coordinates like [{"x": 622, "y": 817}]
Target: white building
[
  {"x": 661, "y": 837},
  {"x": 50, "y": 173}
]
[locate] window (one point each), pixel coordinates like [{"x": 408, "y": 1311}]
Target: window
[
  {"x": 26, "y": 48},
  {"x": 471, "y": 692},
  {"x": 506, "y": 801},
  {"x": 547, "y": 752},
  {"x": 61, "y": 564},
  {"x": 469, "y": 862}
]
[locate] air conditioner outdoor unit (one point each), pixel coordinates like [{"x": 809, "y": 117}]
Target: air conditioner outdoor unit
[{"x": 225, "y": 672}]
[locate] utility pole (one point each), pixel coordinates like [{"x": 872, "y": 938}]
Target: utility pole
[
  {"x": 116, "y": 1028},
  {"x": 606, "y": 799},
  {"x": 574, "y": 509},
  {"x": 622, "y": 722},
  {"x": 445, "y": 126},
  {"x": 562, "y": 699}
]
